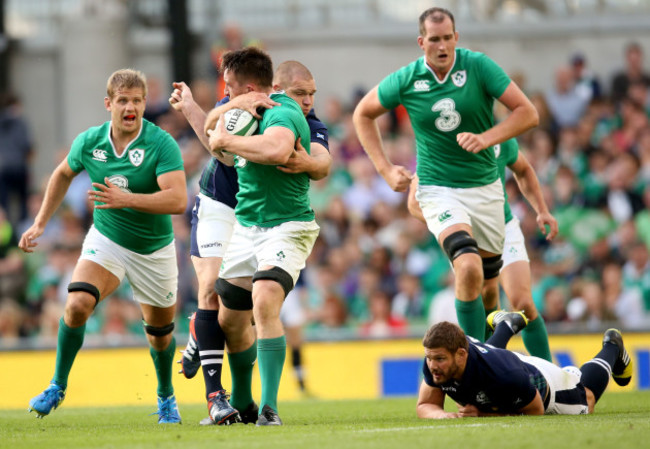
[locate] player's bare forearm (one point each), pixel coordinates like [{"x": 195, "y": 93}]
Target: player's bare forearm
[
  {"x": 430, "y": 411},
  {"x": 171, "y": 199},
  {"x": 250, "y": 102},
  {"x": 523, "y": 116},
  {"x": 316, "y": 164},
  {"x": 320, "y": 167},
  {"x": 223, "y": 157},
  {"x": 55, "y": 191},
  {"x": 370, "y": 139},
  {"x": 365, "y": 124},
  {"x": 274, "y": 147},
  {"x": 532, "y": 191},
  {"x": 529, "y": 185},
  {"x": 196, "y": 116},
  {"x": 431, "y": 403}
]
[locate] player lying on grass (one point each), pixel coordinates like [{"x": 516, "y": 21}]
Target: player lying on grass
[{"x": 486, "y": 380}]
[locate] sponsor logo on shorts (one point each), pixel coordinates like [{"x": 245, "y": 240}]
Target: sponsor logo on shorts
[
  {"x": 280, "y": 255},
  {"x": 212, "y": 245},
  {"x": 90, "y": 252},
  {"x": 513, "y": 250},
  {"x": 170, "y": 295},
  {"x": 421, "y": 86},
  {"x": 446, "y": 215},
  {"x": 320, "y": 136},
  {"x": 99, "y": 155}
]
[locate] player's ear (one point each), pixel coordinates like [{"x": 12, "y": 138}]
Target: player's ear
[{"x": 107, "y": 103}]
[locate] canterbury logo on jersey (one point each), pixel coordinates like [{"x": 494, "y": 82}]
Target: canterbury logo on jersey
[
  {"x": 421, "y": 86},
  {"x": 99, "y": 155}
]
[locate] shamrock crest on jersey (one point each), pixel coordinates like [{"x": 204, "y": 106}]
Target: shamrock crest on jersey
[
  {"x": 136, "y": 156},
  {"x": 459, "y": 78},
  {"x": 120, "y": 181}
]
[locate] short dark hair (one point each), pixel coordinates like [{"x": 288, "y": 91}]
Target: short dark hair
[
  {"x": 437, "y": 15},
  {"x": 249, "y": 64},
  {"x": 445, "y": 335}
]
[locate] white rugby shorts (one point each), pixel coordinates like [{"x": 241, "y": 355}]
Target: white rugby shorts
[
  {"x": 567, "y": 394},
  {"x": 479, "y": 207},
  {"x": 286, "y": 246},
  {"x": 514, "y": 249},
  {"x": 153, "y": 277},
  {"x": 212, "y": 226}
]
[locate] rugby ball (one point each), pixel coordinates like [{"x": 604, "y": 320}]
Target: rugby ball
[{"x": 239, "y": 122}]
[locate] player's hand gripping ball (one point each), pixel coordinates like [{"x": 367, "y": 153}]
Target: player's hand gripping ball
[{"x": 239, "y": 122}]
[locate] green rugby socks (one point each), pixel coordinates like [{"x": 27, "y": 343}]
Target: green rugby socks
[
  {"x": 271, "y": 353},
  {"x": 68, "y": 345}
]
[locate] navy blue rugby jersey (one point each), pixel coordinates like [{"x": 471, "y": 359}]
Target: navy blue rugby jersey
[
  {"x": 318, "y": 130},
  {"x": 495, "y": 380},
  {"x": 219, "y": 181}
]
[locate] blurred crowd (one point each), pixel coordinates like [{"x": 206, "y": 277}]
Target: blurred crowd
[{"x": 375, "y": 271}]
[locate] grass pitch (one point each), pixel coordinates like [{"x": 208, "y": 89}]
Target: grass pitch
[{"x": 622, "y": 420}]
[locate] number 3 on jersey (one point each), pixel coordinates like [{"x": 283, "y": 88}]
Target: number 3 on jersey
[{"x": 449, "y": 118}]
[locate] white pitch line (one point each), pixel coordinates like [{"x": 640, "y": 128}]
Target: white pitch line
[{"x": 443, "y": 426}]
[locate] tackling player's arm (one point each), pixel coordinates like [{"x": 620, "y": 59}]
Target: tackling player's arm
[
  {"x": 273, "y": 147},
  {"x": 316, "y": 165},
  {"x": 56, "y": 189},
  {"x": 170, "y": 199},
  {"x": 181, "y": 99},
  {"x": 431, "y": 403},
  {"x": 250, "y": 102},
  {"x": 522, "y": 117},
  {"x": 528, "y": 183},
  {"x": 364, "y": 119}
]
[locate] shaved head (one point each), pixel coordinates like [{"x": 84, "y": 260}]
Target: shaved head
[{"x": 290, "y": 71}]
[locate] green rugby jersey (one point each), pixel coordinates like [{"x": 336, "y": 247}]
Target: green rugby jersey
[
  {"x": 440, "y": 109},
  {"x": 506, "y": 154},
  {"x": 268, "y": 197},
  {"x": 152, "y": 153}
]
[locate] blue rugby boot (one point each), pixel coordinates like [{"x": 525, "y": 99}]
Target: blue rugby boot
[
  {"x": 49, "y": 399},
  {"x": 168, "y": 411}
]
